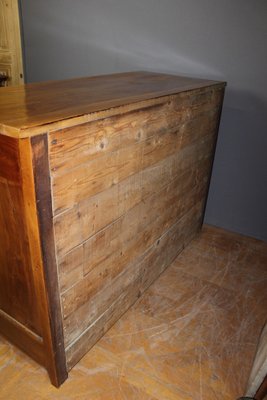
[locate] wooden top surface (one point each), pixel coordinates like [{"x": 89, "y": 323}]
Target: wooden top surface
[{"x": 38, "y": 104}]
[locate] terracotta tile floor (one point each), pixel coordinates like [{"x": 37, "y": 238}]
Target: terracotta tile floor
[{"x": 192, "y": 335}]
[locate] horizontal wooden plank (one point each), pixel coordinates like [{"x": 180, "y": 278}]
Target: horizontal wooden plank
[
  {"x": 204, "y": 125},
  {"x": 108, "y": 252},
  {"x": 104, "y": 154},
  {"x": 95, "y": 177},
  {"x": 70, "y": 268},
  {"x": 87, "y": 217},
  {"x": 150, "y": 204},
  {"x": 84, "y": 327},
  {"x": 73, "y": 146},
  {"x": 120, "y": 241}
]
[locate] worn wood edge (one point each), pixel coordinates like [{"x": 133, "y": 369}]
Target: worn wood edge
[
  {"x": 52, "y": 309},
  {"x": 21, "y": 133},
  {"x": 201, "y": 81},
  {"x": 78, "y": 348},
  {"x": 25, "y": 339}
]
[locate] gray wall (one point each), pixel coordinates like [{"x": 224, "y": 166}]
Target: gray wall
[{"x": 225, "y": 40}]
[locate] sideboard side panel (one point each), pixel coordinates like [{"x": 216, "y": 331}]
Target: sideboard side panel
[
  {"x": 19, "y": 317},
  {"x": 28, "y": 274}
]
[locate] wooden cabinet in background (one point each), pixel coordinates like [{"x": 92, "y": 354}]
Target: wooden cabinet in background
[{"x": 103, "y": 181}]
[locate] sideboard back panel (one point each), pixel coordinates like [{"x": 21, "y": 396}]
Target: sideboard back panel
[{"x": 121, "y": 186}]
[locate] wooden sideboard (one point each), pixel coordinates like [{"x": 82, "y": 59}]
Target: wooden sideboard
[{"x": 103, "y": 181}]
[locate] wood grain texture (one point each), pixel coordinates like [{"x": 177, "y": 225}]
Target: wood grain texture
[
  {"x": 182, "y": 331},
  {"x": 62, "y": 100},
  {"x": 100, "y": 300},
  {"x": 122, "y": 184},
  {"x": 16, "y": 276},
  {"x": 114, "y": 247},
  {"x": 101, "y": 203},
  {"x": 11, "y": 63},
  {"x": 22, "y": 294},
  {"x": 87, "y": 217},
  {"x": 93, "y": 139},
  {"x": 53, "y": 323},
  {"x": 9, "y": 159},
  {"x": 24, "y": 311},
  {"x": 95, "y": 156},
  {"x": 131, "y": 284}
]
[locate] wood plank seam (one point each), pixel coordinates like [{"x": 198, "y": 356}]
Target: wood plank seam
[{"x": 144, "y": 170}]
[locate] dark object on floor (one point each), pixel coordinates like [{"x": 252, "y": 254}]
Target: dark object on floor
[{"x": 246, "y": 398}]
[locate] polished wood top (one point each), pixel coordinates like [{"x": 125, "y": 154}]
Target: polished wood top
[{"x": 38, "y": 104}]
